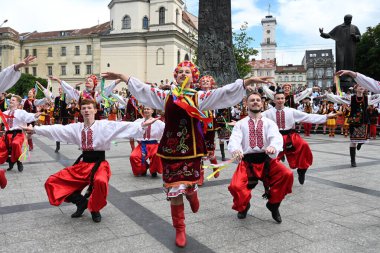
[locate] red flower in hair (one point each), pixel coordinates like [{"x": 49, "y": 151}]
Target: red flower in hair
[{"x": 194, "y": 70}]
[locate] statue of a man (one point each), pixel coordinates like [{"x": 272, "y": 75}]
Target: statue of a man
[{"x": 346, "y": 36}]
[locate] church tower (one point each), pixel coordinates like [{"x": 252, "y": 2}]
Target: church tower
[{"x": 268, "y": 45}]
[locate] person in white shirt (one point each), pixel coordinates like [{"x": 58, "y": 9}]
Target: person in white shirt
[
  {"x": 10, "y": 75},
  {"x": 93, "y": 137},
  {"x": 296, "y": 149},
  {"x": 255, "y": 142},
  {"x": 12, "y": 141},
  {"x": 364, "y": 81},
  {"x": 147, "y": 147}
]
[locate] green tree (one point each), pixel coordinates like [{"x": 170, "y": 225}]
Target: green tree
[
  {"x": 25, "y": 83},
  {"x": 242, "y": 50},
  {"x": 368, "y": 53}
]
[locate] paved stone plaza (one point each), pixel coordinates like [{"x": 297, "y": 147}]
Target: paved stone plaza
[{"x": 336, "y": 210}]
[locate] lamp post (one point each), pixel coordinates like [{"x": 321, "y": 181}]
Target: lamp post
[{"x": 5, "y": 21}]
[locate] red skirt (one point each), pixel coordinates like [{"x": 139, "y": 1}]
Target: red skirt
[
  {"x": 74, "y": 179},
  {"x": 177, "y": 172}
]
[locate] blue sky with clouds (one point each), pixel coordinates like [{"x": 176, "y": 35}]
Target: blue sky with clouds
[{"x": 297, "y": 20}]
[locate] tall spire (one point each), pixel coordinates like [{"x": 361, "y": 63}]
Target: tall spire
[{"x": 269, "y": 9}]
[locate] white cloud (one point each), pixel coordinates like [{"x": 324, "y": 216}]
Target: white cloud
[{"x": 52, "y": 15}]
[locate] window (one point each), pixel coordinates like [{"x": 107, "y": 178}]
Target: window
[
  {"x": 34, "y": 52},
  {"x": 187, "y": 57},
  {"x": 178, "y": 57},
  {"x": 77, "y": 69},
  {"x": 280, "y": 78},
  {"x": 26, "y": 70},
  {"x": 88, "y": 69},
  {"x": 268, "y": 73},
  {"x": 63, "y": 51},
  {"x": 328, "y": 83},
  {"x": 145, "y": 23},
  {"x": 0, "y": 51},
  {"x": 300, "y": 78},
  {"x": 293, "y": 78},
  {"x": 26, "y": 52},
  {"x": 329, "y": 72},
  {"x": 320, "y": 72},
  {"x": 126, "y": 22},
  {"x": 77, "y": 50},
  {"x": 161, "y": 20},
  {"x": 313, "y": 55},
  {"x": 268, "y": 31},
  {"x": 34, "y": 69},
  {"x": 268, "y": 40},
  {"x": 286, "y": 79},
  {"x": 50, "y": 70},
  {"x": 310, "y": 73},
  {"x": 111, "y": 24},
  {"x": 63, "y": 70},
  {"x": 50, "y": 52},
  {"x": 89, "y": 50},
  {"x": 160, "y": 56}
]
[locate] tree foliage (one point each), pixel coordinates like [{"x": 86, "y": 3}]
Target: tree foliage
[
  {"x": 25, "y": 83},
  {"x": 368, "y": 53},
  {"x": 242, "y": 50}
]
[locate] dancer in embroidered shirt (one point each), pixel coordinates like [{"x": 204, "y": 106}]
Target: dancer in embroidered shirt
[
  {"x": 182, "y": 145},
  {"x": 93, "y": 137},
  {"x": 255, "y": 142},
  {"x": 296, "y": 149},
  {"x": 358, "y": 119},
  {"x": 12, "y": 141},
  {"x": 147, "y": 147}
]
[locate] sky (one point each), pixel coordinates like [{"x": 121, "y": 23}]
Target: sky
[{"x": 298, "y": 21}]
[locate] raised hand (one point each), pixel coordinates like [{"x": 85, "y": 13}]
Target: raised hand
[
  {"x": 25, "y": 62},
  {"x": 346, "y": 73},
  {"x": 114, "y": 76},
  {"x": 258, "y": 79},
  {"x": 149, "y": 122}
]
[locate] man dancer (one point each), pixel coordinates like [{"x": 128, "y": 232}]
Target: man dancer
[
  {"x": 255, "y": 142},
  {"x": 147, "y": 147},
  {"x": 11, "y": 148},
  {"x": 93, "y": 137},
  {"x": 296, "y": 149}
]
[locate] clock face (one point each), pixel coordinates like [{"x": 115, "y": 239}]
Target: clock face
[{"x": 268, "y": 31}]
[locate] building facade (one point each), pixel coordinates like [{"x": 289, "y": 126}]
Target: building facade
[
  {"x": 263, "y": 67},
  {"x": 292, "y": 74},
  {"x": 143, "y": 38},
  {"x": 319, "y": 65}
]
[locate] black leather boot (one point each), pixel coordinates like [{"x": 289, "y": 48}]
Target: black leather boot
[
  {"x": 20, "y": 166},
  {"x": 81, "y": 203},
  {"x": 301, "y": 175},
  {"x": 11, "y": 164},
  {"x": 221, "y": 146},
  {"x": 96, "y": 216},
  {"x": 275, "y": 212},
  {"x": 353, "y": 154},
  {"x": 57, "y": 146},
  {"x": 243, "y": 214}
]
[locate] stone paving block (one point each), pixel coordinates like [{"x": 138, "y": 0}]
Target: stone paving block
[
  {"x": 348, "y": 209},
  {"x": 314, "y": 217},
  {"x": 357, "y": 221},
  {"x": 331, "y": 246},
  {"x": 277, "y": 243},
  {"x": 30, "y": 246}
]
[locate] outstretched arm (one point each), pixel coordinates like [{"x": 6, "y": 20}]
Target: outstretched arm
[
  {"x": 71, "y": 92},
  {"x": 144, "y": 93}
]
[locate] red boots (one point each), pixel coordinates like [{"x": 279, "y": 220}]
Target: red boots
[
  {"x": 3, "y": 179},
  {"x": 178, "y": 216},
  {"x": 194, "y": 201}
]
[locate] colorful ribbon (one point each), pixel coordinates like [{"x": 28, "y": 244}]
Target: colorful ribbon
[
  {"x": 337, "y": 85},
  {"x": 181, "y": 97},
  {"x": 219, "y": 166}
]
